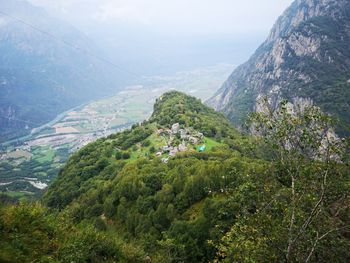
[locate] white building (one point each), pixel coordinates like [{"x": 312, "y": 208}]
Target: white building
[{"x": 175, "y": 128}]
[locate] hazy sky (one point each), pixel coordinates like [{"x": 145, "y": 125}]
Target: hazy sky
[
  {"x": 169, "y": 35},
  {"x": 178, "y": 16}
]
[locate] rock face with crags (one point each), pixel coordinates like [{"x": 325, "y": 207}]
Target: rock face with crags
[{"x": 306, "y": 55}]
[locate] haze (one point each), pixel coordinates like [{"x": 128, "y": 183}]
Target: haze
[{"x": 158, "y": 36}]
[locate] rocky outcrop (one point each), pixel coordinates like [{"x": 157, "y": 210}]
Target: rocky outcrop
[{"x": 306, "y": 55}]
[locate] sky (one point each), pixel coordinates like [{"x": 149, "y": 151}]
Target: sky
[
  {"x": 201, "y": 17},
  {"x": 165, "y": 36}
]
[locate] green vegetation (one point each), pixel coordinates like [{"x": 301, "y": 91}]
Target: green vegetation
[
  {"x": 243, "y": 199},
  {"x": 44, "y": 164},
  {"x": 30, "y": 233},
  {"x": 305, "y": 217},
  {"x": 210, "y": 144},
  {"x": 45, "y": 155},
  {"x": 73, "y": 129}
]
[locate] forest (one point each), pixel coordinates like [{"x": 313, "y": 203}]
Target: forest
[{"x": 279, "y": 195}]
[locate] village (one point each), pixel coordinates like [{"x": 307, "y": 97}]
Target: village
[{"x": 179, "y": 140}]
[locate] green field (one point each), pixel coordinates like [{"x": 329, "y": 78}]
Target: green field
[
  {"x": 44, "y": 155},
  {"x": 210, "y": 143}
]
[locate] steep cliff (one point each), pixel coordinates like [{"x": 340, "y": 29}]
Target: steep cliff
[{"x": 306, "y": 55}]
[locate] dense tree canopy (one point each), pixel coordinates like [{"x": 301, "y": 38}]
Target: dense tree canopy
[{"x": 280, "y": 196}]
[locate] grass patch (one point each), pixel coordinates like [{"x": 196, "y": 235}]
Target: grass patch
[
  {"x": 45, "y": 155},
  {"x": 210, "y": 144},
  {"x": 194, "y": 211}
]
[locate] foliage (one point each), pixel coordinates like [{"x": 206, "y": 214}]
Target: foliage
[
  {"x": 30, "y": 234},
  {"x": 306, "y": 216},
  {"x": 224, "y": 204}
]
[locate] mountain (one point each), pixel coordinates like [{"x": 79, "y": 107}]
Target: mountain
[
  {"x": 45, "y": 68},
  {"x": 196, "y": 125},
  {"x": 150, "y": 195},
  {"x": 306, "y": 57},
  {"x": 186, "y": 186}
]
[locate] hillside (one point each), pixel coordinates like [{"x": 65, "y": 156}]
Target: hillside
[
  {"x": 45, "y": 69},
  {"x": 185, "y": 186},
  {"x": 150, "y": 195},
  {"x": 179, "y": 126},
  {"x": 305, "y": 57}
]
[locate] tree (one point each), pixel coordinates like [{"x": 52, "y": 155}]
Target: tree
[
  {"x": 152, "y": 149},
  {"x": 305, "y": 218},
  {"x": 302, "y": 138},
  {"x": 118, "y": 155},
  {"x": 126, "y": 155}
]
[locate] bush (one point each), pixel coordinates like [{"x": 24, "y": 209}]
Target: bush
[{"x": 126, "y": 155}]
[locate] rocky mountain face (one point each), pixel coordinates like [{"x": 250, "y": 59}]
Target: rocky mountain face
[
  {"x": 306, "y": 57},
  {"x": 45, "y": 68}
]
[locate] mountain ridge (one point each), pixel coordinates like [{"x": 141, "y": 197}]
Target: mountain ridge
[
  {"x": 186, "y": 186},
  {"x": 171, "y": 109},
  {"x": 305, "y": 56},
  {"x": 183, "y": 186}
]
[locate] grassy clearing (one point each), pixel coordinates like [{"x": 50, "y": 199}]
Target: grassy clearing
[
  {"x": 46, "y": 154},
  {"x": 210, "y": 144}
]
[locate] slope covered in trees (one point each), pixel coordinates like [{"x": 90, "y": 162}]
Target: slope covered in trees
[{"x": 239, "y": 199}]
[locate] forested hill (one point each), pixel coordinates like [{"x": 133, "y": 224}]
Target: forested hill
[
  {"x": 179, "y": 127},
  {"x": 133, "y": 188},
  {"x": 185, "y": 186}
]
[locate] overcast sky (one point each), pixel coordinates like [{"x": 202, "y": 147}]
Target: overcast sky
[
  {"x": 169, "y": 35},
  {"x": 178, "y": 16}
]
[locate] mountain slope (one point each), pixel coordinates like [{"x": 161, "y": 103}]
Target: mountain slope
[
  {"x": 202, "y": 126},
  {"x": 44, "y": 68},
  {"x": 306, "y": 55},
  {"x": 160, "y": 199},
  {"x": 185, "y": 186}
]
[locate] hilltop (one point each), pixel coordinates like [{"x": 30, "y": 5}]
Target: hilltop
[
  {"x": 186, "y": 186},
  {"x": 181, "y": 126}
]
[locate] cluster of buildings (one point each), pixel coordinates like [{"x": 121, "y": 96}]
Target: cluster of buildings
[{"x": 188, "y": 136}]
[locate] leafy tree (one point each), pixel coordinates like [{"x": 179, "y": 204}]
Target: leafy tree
[
  {"x": 29, "y": 233},
  {"x": 300, "y": 221},
  {"x": 118, "y": 155},
  {"x": 126, "y": 155}
]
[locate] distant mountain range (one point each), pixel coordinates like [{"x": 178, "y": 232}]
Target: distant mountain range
[
  {"x": 45, "y": 68},
  {"x": 305, "y": 57}
]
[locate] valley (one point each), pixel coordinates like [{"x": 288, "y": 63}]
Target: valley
[
  {"x": 28, "y": 164},
  {"x": 107, "y": 158}
]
